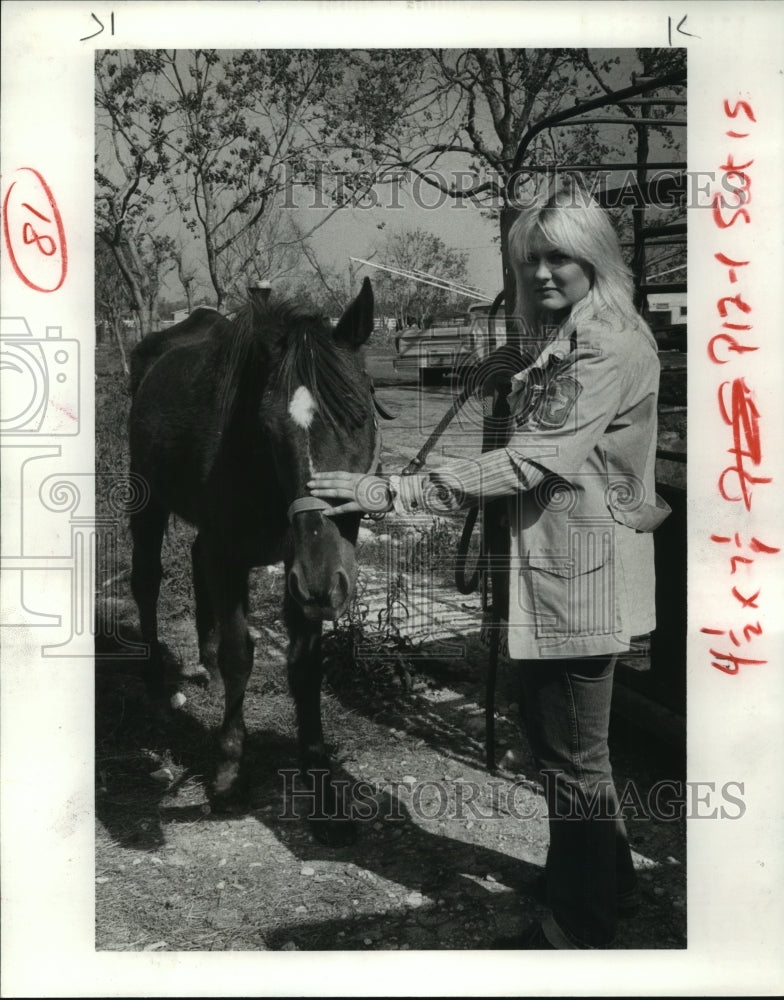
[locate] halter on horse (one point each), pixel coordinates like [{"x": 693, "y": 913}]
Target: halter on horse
[{"x": 229, "y": 421}]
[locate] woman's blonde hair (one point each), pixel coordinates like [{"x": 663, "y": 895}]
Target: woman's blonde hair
[{"x": 572, "y": 221}]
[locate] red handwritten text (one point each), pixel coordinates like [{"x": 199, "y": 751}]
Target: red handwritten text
[
  {"x": 33, "y": 231},
  {"x": 737, "y": 408},
  {"x": 743, "y": 416}
]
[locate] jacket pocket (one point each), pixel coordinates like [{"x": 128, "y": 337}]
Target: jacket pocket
[
  {"x": 642, "y": 516},
  {"x": 576, "y": 594}
]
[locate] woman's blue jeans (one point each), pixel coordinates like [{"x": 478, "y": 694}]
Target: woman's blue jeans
[{"x": 566, "y": 711}]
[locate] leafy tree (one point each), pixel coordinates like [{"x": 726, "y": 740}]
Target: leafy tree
[
  {"x": 221, "y": 137},
  {"x": 417, "y": 302}
]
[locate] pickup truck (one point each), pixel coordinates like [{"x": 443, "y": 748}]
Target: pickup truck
[{"x": 443, "y": 347}]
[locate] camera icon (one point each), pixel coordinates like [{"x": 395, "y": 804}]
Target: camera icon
[{"x": 40, "y": 380}]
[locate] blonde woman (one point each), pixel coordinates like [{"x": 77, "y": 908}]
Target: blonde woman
[{"x": 578, "y": 471}]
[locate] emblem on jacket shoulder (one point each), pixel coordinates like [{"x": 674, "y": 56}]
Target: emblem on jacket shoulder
[
  {"x": 559, "y": 398},
  {"x": 545, "y": 396}
]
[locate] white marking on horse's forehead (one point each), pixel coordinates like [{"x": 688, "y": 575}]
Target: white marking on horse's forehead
[{"x": 302, "y": 408}]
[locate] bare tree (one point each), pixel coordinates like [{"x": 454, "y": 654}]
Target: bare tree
[
  {"x": 112, "y": 301},
  {"x": 411, "y": 109},
  {"x": 271, "y": 250},
  {"x": 126, "y": 228}
]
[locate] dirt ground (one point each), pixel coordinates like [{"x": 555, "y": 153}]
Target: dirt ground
[{"x": 445, "y": 852}]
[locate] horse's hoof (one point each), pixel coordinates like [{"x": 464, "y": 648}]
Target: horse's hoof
[
  {"x": 163, "y": 776},
  {"x": 227, "y": 805},
  {"x": 228, "y": 802},
  {"x": 225, "y": 790},
  {"x": 177, "y": 700},
  {"x": 333, "y": 832}
]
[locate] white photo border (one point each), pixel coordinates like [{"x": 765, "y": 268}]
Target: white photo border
[{"x": 735, "y": 869}]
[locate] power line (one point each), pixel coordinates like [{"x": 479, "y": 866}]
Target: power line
[
  {"x": 441, "y": 283},
  {"x": 680, "y": 267}
]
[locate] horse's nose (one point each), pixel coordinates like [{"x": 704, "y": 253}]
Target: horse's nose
[
  {"x": 327, "y": 600},
  {"x": 295, "y": 589},
  {"x": 340, "y": 590}
]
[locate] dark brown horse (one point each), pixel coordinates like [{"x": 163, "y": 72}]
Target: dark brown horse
[{"x": 229, "y": 420}]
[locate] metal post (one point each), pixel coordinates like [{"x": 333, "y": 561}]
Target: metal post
[
  {"x": 263, "y": 289},
  {"x": 638, "y": 217}
]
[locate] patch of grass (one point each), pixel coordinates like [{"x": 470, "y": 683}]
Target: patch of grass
[
  {"x": 373, "y": 651},
  {"x": 177, "y": 597}
]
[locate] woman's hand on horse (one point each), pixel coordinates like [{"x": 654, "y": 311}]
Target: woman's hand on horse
[{"x": 361, "y": 493}]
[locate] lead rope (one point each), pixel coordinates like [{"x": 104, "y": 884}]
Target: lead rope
[
  {"x": 419, "y": 459},
  {"x": 492, "y": 596}
]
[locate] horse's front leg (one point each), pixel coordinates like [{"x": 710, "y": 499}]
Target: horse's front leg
[
  {"x": 206, "y": 624},
  {"x": 147, "y": 529},
  {"x": 327, "y": 818},
  {"x": 229, "y": 591}
]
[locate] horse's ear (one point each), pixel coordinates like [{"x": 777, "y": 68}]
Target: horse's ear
[{"x": 356, "y": 324}]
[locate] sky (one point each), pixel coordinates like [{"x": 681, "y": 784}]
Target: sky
[{"x": 358, "y": 232}]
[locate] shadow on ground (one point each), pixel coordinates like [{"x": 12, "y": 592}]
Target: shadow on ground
[{"x": 450, "y": 880}]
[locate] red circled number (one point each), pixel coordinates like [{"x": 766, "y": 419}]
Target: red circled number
[{"x": 34, "y": 233}]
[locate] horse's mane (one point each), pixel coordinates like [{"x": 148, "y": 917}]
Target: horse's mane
[{"x": 295, "y": 348}]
